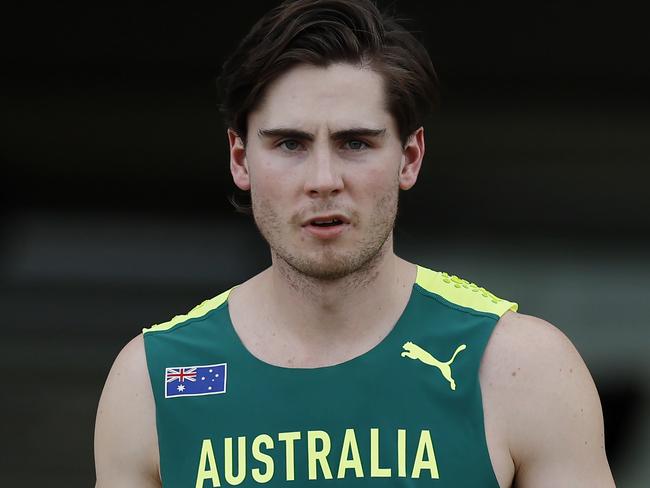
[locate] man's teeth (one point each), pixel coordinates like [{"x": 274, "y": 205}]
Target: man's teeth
[{"x": 326, "y": 222}]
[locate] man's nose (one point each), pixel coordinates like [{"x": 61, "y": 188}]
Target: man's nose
[{"x": 323, "y": 174}]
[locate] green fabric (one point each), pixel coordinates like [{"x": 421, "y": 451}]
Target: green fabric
[{"x": 381, "y": 389}]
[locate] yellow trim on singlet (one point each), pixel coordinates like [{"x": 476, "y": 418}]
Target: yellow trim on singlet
[
  {"x": 198, "y": 311},
  {"x": 462, "y": 292},
  {"x": 451, "y": 288}
]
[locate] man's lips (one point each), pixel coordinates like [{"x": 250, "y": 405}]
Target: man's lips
[{"x": 326, "y": 219}]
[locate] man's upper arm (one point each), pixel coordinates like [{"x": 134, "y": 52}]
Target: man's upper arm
[
  {"x": 126, "y": 449},
  {"x": 555, "y": 432}
]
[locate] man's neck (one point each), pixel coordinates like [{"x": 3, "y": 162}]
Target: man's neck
[{"x": 360, "y": 305}]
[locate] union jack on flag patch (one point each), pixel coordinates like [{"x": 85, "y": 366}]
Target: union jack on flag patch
[{"x": 195, "y": 380}]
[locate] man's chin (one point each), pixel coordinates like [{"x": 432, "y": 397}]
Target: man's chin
[
  {"x": 326, "y": 273},
  {"x": 331, "y": 268}
]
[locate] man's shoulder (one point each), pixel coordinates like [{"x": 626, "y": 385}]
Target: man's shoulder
[
  {"x": 131, "y": 358},
  {"x": 522, "y": 334},
  {"x": 127, "y": 391},
  {"x": 538, "y": 391},
  {"x": 526, "y": 349},
  {"x": 126, "y": 449}
]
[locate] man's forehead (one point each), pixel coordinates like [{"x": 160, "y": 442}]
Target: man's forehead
[{"x": 340, "y": 95}]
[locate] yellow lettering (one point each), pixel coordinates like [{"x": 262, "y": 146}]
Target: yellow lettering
[
  {"x": 207, "y": 466},
  {"x": 318, "y": 456},
  {"x": 264, "y": 458},
  {"x": 289, "y": 438},
  {"x": 375, "y": 470},
  {"x": 401, "y": 453},
  {"x": 350, "y": 447},
  {"x": 241, "y": 460},
  {"x": 425, "y": 446}
]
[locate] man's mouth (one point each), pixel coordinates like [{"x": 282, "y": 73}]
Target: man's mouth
[
  {"x": 326, "y": 223},
  {"x": 327, "y": 220}
]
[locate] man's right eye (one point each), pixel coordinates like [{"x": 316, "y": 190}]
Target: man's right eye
[{"x": 290, "y": 145}]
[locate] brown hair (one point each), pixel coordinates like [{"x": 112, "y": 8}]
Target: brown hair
[{"x": 322, "y": 32}]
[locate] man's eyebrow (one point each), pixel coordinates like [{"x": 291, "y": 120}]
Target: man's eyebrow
[
  {"x": 286, "y": 132},
  {"x": 308, "y": 136},
  {"x": 358, "y": 132}
]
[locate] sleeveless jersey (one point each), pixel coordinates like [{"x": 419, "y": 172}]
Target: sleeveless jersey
[{"x": 407, "y": 413}]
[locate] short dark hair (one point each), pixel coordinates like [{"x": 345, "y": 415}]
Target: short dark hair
[{"x": 322, "y": 32}]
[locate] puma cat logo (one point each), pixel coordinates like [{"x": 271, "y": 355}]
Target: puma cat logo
[{"x": 414, "y": 351}]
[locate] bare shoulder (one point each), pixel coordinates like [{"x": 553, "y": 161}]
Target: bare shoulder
[
  {"x": 126, "y": 445},
  {"x": 525, "y": 341},
  {"x": 545, "y": 405}
]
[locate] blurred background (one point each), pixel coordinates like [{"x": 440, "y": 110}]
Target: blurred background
[{"x": 114, "y": 209}]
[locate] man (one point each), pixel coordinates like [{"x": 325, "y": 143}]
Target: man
[{"x": 342, "y": 364}]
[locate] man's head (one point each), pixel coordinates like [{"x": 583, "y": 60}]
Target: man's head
[{"x": 325, "y": 128}]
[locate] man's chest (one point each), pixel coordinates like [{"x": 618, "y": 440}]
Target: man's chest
[{"x": 397, "y": 422}]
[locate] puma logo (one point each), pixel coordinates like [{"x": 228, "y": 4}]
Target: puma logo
[{"x": 414, "y": 351}]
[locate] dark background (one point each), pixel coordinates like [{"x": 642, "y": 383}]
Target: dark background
[{"x": 114, "y": 209}]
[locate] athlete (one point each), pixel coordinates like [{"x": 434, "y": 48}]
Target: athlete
[{"x": 343, "y": 364}]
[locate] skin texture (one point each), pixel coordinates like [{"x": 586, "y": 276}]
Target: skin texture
[
  {"x": 325, "y": 301},
  {"x": 295, "y": 178},
  {"x": 126, "y": 444},
  {"x": 543, "y": 418}
]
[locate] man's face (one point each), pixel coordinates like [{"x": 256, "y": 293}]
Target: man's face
[{"x": 323, "y": 161}]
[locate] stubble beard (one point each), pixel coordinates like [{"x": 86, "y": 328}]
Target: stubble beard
[{"x": 324, "y": 262}]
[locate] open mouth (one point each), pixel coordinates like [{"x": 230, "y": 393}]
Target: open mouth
[
  {"x": 325, "y": 220},
  {"x": 327, "y": 226},
  {"x": 326, "y": 223}
]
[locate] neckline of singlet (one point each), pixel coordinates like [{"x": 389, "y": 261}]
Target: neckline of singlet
[{"x": 364, "y": 356}]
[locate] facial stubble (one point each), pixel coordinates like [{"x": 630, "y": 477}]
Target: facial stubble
[{"x": 326, "y": 261}]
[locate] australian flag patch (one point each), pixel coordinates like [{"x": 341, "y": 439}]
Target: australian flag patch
[{"x": 195, "y": 380}]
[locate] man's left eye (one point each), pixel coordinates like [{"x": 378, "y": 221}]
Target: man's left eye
[
  {"x": 290, "y": 145},
  {"x": 356, "y": 145}
]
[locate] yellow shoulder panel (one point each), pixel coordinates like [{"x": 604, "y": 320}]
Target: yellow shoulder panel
[
  {"x": 462, "y": 292},
  {"x": 198, "y": 311}
]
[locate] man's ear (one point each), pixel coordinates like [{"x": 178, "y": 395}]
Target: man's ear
[
  {"x": 412, "y": 155},
  {"x": 238, "y": 162}
]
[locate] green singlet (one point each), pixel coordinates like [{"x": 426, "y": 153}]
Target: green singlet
[{"x": 406, "y": 413}]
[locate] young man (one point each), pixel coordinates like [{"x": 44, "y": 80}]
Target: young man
[{"x": 343, "y": 364}]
